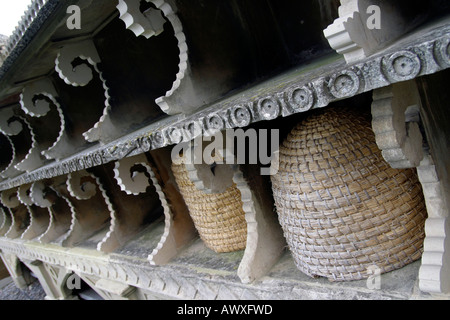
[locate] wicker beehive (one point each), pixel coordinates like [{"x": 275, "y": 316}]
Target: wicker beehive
[
  {"x": 342, "y": 207},
  {"x": 218, "y": 217}
]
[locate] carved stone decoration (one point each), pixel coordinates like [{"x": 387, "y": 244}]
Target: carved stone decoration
[
  {"x": 129, "y": 213},
  {"x": 13, "y": 264},
  {"x": 60, "y": 210},
  {"x": 179, "y": 229},
  {"x": 38, "y": 196},
  {"x": 5, "y": 221},
  {"x": 8, "y": 166},
  {"x": 13, "y": 124},
  {"x": 80, "y": 190},
  {"x": 110, "y": 289},
  {"x": 20, "y": 217},
  {"x": 34, "y": 158},
  {"x": 187, "y": 92},
  {"x": 149, "y": 23},
  {"x": 36, "y": 100},
  {"x": 92, "y": 207},
  {"x": 344, "y": 84},
  {"x": 265, "y": 241},
  {"x": 435, "y": 268},
  {"x": 21, "y": 140},
  {"x": 40, "y": 217},
  {"x": 37, "y": 106},
  {"x": 133, "y": 182},
  {"x": 399, "y": 140},
  {"x": 8, "y": 125},
  {"x": 53, "y": 279},
  {"x": 81, "y": 75},
  {"x": 401, "y": 66},
  {"x": 350, "y": 35}
]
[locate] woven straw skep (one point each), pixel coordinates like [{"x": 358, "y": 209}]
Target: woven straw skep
[
  {"x": 342, "y": 207},
  {"x": 218, "y": 217}
]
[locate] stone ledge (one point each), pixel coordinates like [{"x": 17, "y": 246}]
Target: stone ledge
[{"x": 199, "y": 273}]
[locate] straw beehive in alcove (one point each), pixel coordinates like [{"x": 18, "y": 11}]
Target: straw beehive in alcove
[{"x": 342, "y": 208}]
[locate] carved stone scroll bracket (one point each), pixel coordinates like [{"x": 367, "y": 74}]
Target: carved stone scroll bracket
[
  {"x": 40, "y": 218},
  {"x": 5, "y": 221},
  {"x": 20, "y": 145},
  {"x": 20, "y": 217},
  {"x": 149, "y": 23},
  {"x": 8, "y": 165},
  {"x": 12, "y": 124},
  {"x": 37, "y": 97},
  {"x": 60, "y": 210},
  {"x": 9, "y": 198},
  {"x": 37, "y": 194},
  {"x": 36, "y": 100},
  {"x": 34, "y": 158},
  {"x": 265, "y": 241},
  {"x": 23, "y": 194},
  {"x": 435, "y": 268},
  {"x": 8, "y": 125},
  {"x": 92, "y": 211},
  {"x": 350, "y": 35},
  {"x": 81, "y": 75},
  {"x": 395, "y": 112},
  {"x": 188, "y": 92},
  {"x": 78, "y": 189},
  {"x": 134, "y": 182},
  {"x": 179, "y": 230}
]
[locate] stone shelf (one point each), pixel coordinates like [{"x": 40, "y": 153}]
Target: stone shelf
[{"x": 199, "y": 273}]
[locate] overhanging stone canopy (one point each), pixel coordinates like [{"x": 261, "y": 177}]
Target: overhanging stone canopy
[{"x": 88, "y": 117}]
